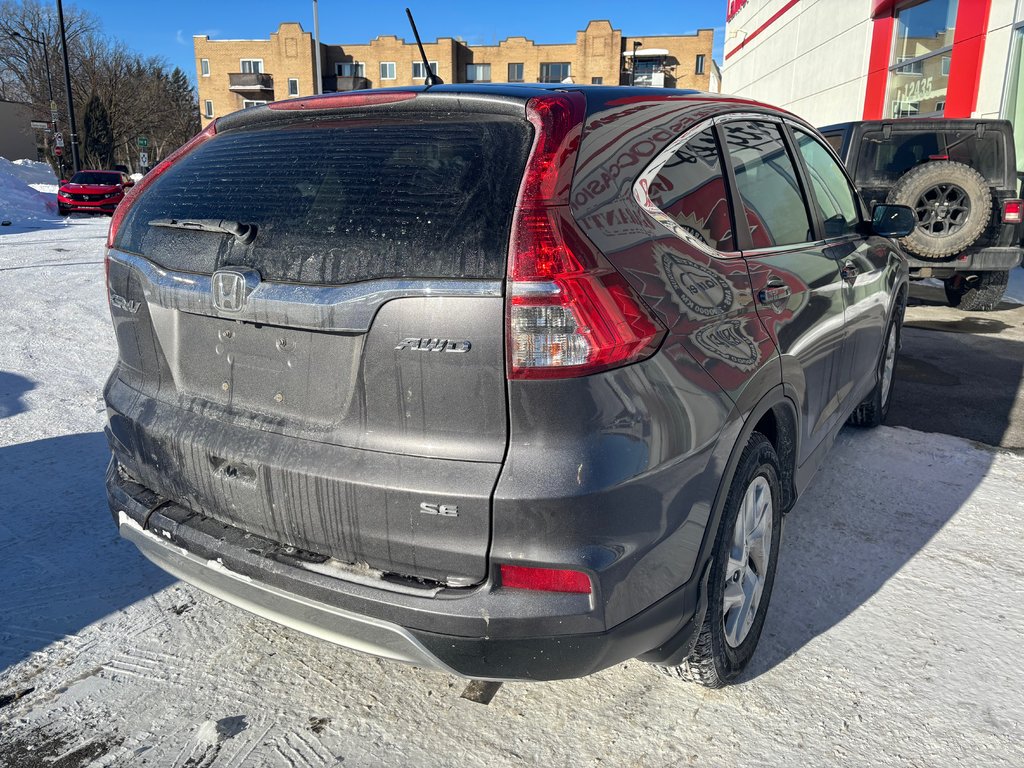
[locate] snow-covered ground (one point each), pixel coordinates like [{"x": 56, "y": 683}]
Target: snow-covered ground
[
  {"x": 894, "y": 635},
  {"x": 28, "y": 196}
]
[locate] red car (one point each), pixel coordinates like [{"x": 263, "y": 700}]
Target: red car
[{"x": 92, "y": 192}]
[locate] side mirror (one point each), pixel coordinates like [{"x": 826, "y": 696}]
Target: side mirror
[
  {"x": 128, "y": 183},
  {"x": 893, "y": 220},
  {"x": 63, "y": 182}
]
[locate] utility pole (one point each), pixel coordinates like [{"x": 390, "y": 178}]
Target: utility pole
[
  {"x": 318, "y": 87},
  {"x": 632, "y": 77},
  {"x": 75, "y": 160}
]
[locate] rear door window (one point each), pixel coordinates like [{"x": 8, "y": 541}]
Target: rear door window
[
  {"x": 767, "y": 184},
  {"x": 343, "y": 200}
]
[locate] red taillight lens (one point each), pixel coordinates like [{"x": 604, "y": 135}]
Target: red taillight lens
[
  {"x": 129, "y": 199},
  {"x": 544, "y": 579},
  {"x": 1013, "y": 211},
  {"x": 569, "y": 312},
  {"x": 344, "y": 100}
]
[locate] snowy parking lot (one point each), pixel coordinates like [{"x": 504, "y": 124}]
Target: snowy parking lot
[{"x": 894, "y": 635}]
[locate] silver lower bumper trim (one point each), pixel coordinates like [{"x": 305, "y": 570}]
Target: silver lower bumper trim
[{"x": 351, "y": 630}]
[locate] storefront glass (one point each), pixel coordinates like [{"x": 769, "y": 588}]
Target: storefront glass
[
  {"x": 1013, "y": 109},
  {"x": 921, "y": 57}
]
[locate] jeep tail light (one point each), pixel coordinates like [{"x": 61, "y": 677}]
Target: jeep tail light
[
  {"x": 1013, "y": 211},
  {"x": 544, "y": 579},
  {"x": 130, "y": 196},
  {"x": 569, "y": 312}
]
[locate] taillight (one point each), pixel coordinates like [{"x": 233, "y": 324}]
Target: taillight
[
  {"x": 544, "y": 579},
  {"x": 129, "y": 199},
  {"x": 1013, "y": 211},
  {"x": 344, "y": 100},
  {"x": 569, "y": 312}
]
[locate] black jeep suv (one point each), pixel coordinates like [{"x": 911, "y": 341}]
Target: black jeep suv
[
  {"x": 513, "y": 381},
  {"x": 960, "y": 177}
]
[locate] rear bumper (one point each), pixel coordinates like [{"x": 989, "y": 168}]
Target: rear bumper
[
  {"x": 482, "y": 632},
  {"x": 981, "y": 260}
]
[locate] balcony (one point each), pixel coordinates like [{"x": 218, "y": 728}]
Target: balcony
[
  {"x": 250, "y": 82},
  {"x": 335, "y": 83}
]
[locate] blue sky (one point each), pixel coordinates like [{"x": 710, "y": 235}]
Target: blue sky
[{"x": 165, "y": 28}]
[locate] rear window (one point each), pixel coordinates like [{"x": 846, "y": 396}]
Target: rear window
[
  {"x": 882, "y": 161},
  {"x": 343, "y": 200}
]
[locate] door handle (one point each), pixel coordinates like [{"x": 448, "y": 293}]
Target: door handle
[
  {"x": 849, "y": 271},
  {"x": 775, "y": 290}
]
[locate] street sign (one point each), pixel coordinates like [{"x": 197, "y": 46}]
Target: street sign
[
  {"x": 42, "y": 125},
  {"x": 58, "y": 151},
  {"x": 58, "y": 139},
  {"x": 143, "y": 142},
  {"x": 143, "y": 159},
  {"x": 53, "y": 116}
]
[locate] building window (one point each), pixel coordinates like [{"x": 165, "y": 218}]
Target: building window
[
  {"x": 293, "y": 86},
  {"x": 478, "y": 73},
  {"x": 387, "y": 70},
  {"x": 350, "y": 69},
  {"x": 555, "y": 72},
  {"x": 252, "y": 66},
  {"x": 515, "y": 73},
  {"x": 419, "y": 72},
  {"x": 204, "y": 66},
  {"x": 698, "y": 68},
  {"x": 208, "y": 108},
  {"x": 920, "y": 61},
  {"x": 597, "y": 81},
  {"x": 248, "y": 104}
]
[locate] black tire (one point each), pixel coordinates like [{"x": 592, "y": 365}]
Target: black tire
[
  {"x": 714, "y": 662},
  {"x": 943, "y": 230},
  {"x": 875, "y": 408},
  {"x": 976, "y": 291}
]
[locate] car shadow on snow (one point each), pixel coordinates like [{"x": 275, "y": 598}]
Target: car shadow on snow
[
  {"x": 13, "y": 386},
  {"x": 62, "y": 563},
  {"x": 846, "y": 538}
]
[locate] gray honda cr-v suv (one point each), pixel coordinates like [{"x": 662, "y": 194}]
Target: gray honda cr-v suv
[{"x": 513, "y": 381}]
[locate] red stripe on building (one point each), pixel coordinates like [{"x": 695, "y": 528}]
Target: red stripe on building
[
  {"x": 878, "y": 66},
  {"x": 968, "y": 50},
  {"x": 774, "y": 17}
]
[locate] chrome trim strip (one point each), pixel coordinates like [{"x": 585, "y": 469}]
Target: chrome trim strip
[{"x": 341, "y": 309}]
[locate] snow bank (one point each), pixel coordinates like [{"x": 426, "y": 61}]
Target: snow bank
[{"x": 20, "y": 203}]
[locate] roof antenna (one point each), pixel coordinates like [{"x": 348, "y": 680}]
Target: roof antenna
[{"x": 432, "y": 78}]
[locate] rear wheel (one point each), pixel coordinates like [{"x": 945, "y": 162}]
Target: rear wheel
[
  {"x": 874, "y": 409},
  {"x": 742, "y": 572},
  {"x": 976, "y": 291}
]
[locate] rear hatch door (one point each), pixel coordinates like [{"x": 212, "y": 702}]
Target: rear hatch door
[{"x": 337, "y": 382}]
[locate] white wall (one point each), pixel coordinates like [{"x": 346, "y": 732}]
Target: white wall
[{"x": 812, "y": 60}]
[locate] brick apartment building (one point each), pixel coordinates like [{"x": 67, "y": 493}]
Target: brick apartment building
[{"x": 234, "y": 74}]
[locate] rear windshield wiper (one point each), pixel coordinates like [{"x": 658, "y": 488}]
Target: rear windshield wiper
[{"x": 244, "y": 233}]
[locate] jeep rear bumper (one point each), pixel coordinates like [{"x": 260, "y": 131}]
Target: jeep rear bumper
[
  {"x": 482, "y": 632},
  {"x": 981, "y": 260}
]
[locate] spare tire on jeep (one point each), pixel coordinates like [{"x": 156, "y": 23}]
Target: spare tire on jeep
[{"x": 953, "y": 206}]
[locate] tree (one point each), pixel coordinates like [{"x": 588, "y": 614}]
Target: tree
[{"x": 99, "y": 138}]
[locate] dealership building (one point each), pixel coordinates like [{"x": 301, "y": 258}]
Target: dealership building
[{"x": 835, "y": 60}]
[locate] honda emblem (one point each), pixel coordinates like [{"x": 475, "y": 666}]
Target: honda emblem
[{"x": 232, "y": 287}]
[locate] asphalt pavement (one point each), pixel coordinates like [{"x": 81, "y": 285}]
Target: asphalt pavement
[{"x": 960, "y": 373}]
